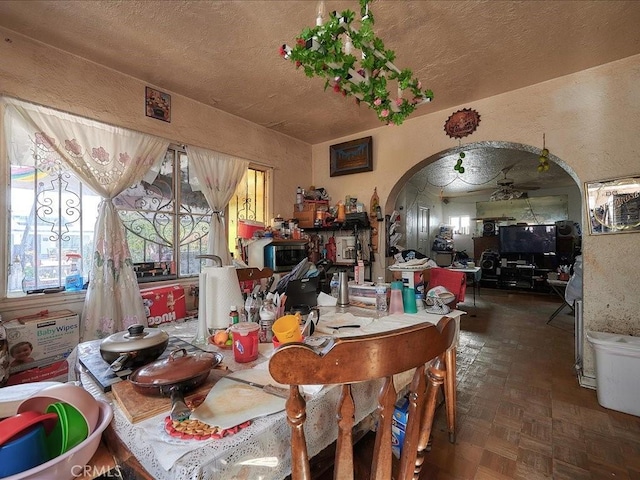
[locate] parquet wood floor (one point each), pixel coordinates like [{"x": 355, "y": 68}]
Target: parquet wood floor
[{"x": 520, "y": 412}]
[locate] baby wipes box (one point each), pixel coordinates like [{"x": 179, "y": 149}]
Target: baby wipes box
[{"x": 39, "y": 341}]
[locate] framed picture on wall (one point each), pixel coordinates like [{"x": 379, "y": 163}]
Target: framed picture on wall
[
  {"x": 354, "y": 156},
  {"x": 157, "y": 104},
  {"x": 613, "y": 206}
]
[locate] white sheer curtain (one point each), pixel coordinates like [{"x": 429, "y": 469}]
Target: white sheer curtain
[
  {"x": 108, "y": 160},
  {"x": 218, "y": 176}
]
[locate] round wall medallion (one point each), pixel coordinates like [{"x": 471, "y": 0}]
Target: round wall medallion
[{"x": 462, "y": 123}]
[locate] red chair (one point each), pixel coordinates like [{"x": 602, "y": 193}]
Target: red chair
[{"x": 456, "y": 283}]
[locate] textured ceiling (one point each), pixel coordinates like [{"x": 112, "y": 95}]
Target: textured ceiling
[{"x": 225, "y": 53}]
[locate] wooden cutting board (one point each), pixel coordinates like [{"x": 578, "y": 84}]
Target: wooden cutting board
[{"x": 138, "y": 407}]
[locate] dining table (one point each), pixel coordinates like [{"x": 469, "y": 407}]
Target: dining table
[{"x": 262, "y": 449}]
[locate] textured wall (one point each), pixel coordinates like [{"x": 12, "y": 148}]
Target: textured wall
[
  {"x": 590, "y": 120},
  {"x": 40, "y": 74}
]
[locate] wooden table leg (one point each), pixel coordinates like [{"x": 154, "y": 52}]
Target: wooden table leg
[{"x": 450, "y": 392}]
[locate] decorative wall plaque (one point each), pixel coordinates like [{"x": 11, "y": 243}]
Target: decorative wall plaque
[
  {"x": 613, "y": 205},
  {"x": 462, "y": 123}
]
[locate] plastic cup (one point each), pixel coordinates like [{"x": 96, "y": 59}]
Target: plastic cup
[
  {"x": 57, "y": 439},
  {"x": 77, "y": 428},
  {"x": 287, "y": 329},
  {"x": 245, "y": 341}
]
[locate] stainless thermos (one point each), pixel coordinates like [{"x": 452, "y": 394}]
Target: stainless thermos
[{"x": 343, "y": 290}]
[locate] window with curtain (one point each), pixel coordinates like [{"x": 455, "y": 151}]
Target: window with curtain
[{"x": 167, "y": 222}]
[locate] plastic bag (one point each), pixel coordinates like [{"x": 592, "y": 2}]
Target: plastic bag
[{"x": 573, "y": 291}]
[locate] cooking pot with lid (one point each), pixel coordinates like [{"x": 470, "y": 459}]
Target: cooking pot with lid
[
  {"x": 135, "y": 347},
  {"x": 179, "y": 373}
]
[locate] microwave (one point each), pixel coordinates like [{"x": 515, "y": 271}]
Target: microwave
[{"x": 282, "y": 256}]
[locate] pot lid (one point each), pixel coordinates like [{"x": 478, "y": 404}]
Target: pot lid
[
  {"x": 178, "y": 367},
  {"x": 136, "y": 337}
]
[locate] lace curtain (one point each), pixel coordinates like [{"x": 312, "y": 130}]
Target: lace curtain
[
  {"x": 108, "y": 160},
  {"x": 218, "y": 176}
]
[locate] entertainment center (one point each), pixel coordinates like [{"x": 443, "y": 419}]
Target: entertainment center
[{"x": 520, "y": 256}]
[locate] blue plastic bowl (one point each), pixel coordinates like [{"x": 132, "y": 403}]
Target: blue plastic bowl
[{"x": 27, "y": 451}]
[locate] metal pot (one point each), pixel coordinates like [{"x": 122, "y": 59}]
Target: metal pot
[
  {"x": 175, "y": 375},
  {"x": 135, "y": 347}
]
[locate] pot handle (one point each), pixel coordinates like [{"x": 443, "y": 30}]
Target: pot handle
[
  {"x": 179, "y": 409},
  {"x": 118, "y": 363}
]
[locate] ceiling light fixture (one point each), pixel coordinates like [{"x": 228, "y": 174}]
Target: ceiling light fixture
[{"x": 353, "y": 61}]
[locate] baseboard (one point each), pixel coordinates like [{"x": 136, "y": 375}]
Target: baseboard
[{"x": 587, "y": 382}]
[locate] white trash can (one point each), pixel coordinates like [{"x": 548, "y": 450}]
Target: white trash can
[{"x": 617, "y": 371}]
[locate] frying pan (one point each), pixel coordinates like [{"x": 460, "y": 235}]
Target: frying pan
[
  {"x": 135, "y": 347},
  {"x": 180, "y": 372}
]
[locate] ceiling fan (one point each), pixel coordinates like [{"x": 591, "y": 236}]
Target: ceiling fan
[{"x": 506, "y": 190}]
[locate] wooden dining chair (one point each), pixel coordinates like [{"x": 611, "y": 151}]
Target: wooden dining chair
[
  {"x": 456, "y": 283},
  {"x": 249, "y": 277},
  {"x": 349, "y": 360}
]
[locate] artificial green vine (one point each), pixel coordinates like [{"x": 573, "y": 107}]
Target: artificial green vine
[{"x": 320, "y": 52}]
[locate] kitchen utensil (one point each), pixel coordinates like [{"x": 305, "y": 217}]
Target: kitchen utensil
[
  {"x": 343, "y": 290},
  {"x": 175, "y": 375},
  {"x": 69, "y": 393},
  {"x": 12, "y": 427},
  {"x": 57, "y": 440},
  {"x": 268, "y": 388},
  {"x": 135, "y": 347},
  {"x": 24, "y": 452},
  {"x": 66, "y": 466}
]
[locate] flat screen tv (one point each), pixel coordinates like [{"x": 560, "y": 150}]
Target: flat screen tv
[{"x": 528, "y": 239}]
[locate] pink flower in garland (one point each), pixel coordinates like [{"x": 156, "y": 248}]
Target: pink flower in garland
[
  {"x": 399, "y": 101},
  {"x": 336, "y": 88},
  {"x": 384, "y": 113},
  {"x": 282, "y": 51},
  {"x": 298, "y": 63},
  {"x": 377, "y": 102}
]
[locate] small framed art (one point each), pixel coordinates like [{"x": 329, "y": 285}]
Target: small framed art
[{"x": 157, "y": 104}]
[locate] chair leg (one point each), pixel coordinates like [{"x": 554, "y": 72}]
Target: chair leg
[{"x": 450, "y": 392}]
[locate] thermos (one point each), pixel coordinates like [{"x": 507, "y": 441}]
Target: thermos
[{"x": 343, "y": 290}]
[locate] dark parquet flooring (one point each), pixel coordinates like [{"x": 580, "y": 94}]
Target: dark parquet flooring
[{"x": 521, "y": 413}]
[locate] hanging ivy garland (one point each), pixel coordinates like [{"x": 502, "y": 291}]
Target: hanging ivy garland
[{"x": 321, "y": 52}]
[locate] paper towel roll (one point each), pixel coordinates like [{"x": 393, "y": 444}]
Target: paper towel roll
[{"x": 221, "y": 290}]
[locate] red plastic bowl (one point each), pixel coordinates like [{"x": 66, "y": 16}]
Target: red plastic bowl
[{"x": 13, "y": 426}]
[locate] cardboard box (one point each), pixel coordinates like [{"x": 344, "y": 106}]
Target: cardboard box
[
  {"x": 164, "y": 304},
  {"x": 56, "y": 372},
  {"x": 399, "y": 425},
  {"x": 42, "y": 339},
  {"x": 416, "y": 279}
]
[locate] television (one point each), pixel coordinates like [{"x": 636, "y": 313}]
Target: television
[{"x": 529, "y": 239}]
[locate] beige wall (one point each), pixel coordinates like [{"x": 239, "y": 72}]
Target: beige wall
[
  {"x": 34, "y": 72},
  {"x": 590, "y": 120}
]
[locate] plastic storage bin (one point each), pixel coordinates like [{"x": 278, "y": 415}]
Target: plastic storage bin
[{"x": 617, "y": 371}]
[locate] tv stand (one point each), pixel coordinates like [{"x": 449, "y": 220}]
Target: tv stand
[{"x": 521, "y": 274}]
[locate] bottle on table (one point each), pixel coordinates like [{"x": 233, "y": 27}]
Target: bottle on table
[
  {"x": 268, "y": 314},
  {"x": 335, "y": 284},
  {"x": 381, "y": 295},
  {"x": 234, "y": 315}
]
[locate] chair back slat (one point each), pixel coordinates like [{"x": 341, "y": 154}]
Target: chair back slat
[{"x": 349, "y": 360}]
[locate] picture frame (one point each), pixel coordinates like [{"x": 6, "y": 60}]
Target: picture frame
[
  {"x": 613, "y": 206},
  {"x": 157, "y": 104},
  {"x": 355, "y": 156}
]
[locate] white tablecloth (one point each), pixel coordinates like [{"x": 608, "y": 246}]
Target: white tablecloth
[{"x": 261, "y": 450}]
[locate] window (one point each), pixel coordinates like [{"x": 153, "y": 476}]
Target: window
[
  {"x": 167, "y": 222},
  {"x": 248, "y": 203},
  {"x": 461, "y": 225}
]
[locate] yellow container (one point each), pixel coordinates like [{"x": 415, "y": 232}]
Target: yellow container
[{"x": 287, "y": 329}]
